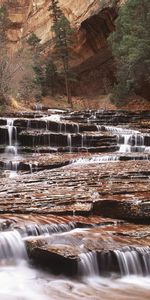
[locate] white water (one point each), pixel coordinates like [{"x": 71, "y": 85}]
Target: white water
[
  {"x": 38, "y": 106},
  {"x": 12, "y": 246},
  {"x": 83, "y": 141},
  {"x": 12, "y": 133},
  {"x": 88, "y": 265},
  {"x": 134, "y": 261},
  {"x": 69, "y": 141},
  {"x": 54, "y": 117},
  {"x": 47, "y": 229},
  {"x": 11, "y": 157},
  {"x": 129, "y": 140},
  {"x": 96, "y": 159},
  {"x": 18, "y": 281}
]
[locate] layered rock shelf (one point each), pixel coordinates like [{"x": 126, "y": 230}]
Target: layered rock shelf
[{"x": 71, "y": 181}]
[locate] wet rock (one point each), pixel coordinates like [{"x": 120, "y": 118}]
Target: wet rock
[
  {"x": 3, "y": 135},
  {"x": 58, "y": 260},
  {"x": 127, "y": 210}
]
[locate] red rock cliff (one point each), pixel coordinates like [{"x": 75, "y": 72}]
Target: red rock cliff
[{"x": 93, "y": 21}]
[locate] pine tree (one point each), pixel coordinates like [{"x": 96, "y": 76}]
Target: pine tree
[
  {"x": 51, "y": 76},
  {"x": 44, "y": 68},
  {"x": 63, "y": 40},
  {"x": 131, "y": 46}
]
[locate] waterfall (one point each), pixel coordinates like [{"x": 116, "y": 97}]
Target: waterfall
[
  {"x": 129, "y": 140},
  {"x": 133, "y": 260},
  {"x": 132, "y": 143},
  {"x": 11, "y": 150},
  {"x": 88, "y": 265},
  {"x": 83, "y": 140},
  {"x": 125, "y": 147},
  {"x": 128, "y": 261},
  {"x": 30, "y": 167},
  {"x": 12, "y": 135},
  {"x": 11, "y": 165},
  {"x": 38, "y": 106},
  {"x": 46, "y": 229},
  {"x": 69, "y": 141},
  {"x": 12, "y": 246}
]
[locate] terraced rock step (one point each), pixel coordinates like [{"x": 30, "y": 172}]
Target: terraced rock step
[
  {"x": 77, "y": 189},
  {"x": 98, "y": 251},
  {"x": 109, "y": 117}
]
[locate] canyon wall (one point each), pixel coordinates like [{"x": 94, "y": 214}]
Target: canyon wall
[{"x": 93, "y": 21}]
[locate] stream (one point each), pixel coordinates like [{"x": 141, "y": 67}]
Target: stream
[{"x": 58, "y": 169}]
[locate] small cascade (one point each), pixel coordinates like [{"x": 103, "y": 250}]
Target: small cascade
[
  {"x": 132, "y": 143},
  {"x": 38, "y": 106},
  {"x": 28, "y": 124},
  {"x": 47, "y": 229},
  {"x": 96, "y": 159},
  {"x": 133, "y": 260},
  {"x": 88, "y": 264},
  {"x": 129, "y": 140},
  {"x": 77, "y": 128},
  {"x": 99, "y": 127},
  {"x": 11, "y": 165},
  {"x": 53, "y": 117},
  {"x": 125, "y": 147},
  {"x": 120, "y": 130},
  {"x": 12, "y": 246},
  {"x": 11, "y": 151},
  {"x": 12, "y": 137},
  {"x": 69, "y": 141},
  {"x": 83, "y": 141},
  {"x": 31, "y": 168}
]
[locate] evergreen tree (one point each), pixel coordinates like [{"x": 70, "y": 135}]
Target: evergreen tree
[
  {"x": 50, "y": 76},
  {"x": 131, "y": 46},
  {"x": 63, "y": 40},
  {"x": 33, "y": 40},
  {"x": 44, "y": 69}
]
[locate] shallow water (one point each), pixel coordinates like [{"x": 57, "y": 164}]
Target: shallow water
[{"x": 22, "y": 282}]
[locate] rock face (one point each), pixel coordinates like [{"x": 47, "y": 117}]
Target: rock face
[{"x": 93, "y": 21}]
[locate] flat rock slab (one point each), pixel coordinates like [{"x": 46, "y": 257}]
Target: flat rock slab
[{"x": 79, "y": 189}]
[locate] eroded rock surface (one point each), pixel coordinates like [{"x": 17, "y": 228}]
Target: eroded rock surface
[{"x": 72, "y": 208}]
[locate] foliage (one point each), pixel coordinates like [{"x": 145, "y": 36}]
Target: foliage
[
  {"x": 44, "y": 69},
  {"x": 6, "y": 65},
  {"x": 51, "y": 75},
  {"x": 63, "y": 40},
  {"x": 131, "y": 46},
  {"x": 33, "y": 40}
]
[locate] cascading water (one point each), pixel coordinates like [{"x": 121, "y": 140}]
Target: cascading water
[
  {"x": 129, "y": 140},
  {"x": 88, "y": 265},
  {"x": 12, "y": 246},
  {"x": 38, "y": 106},
  {"x": 12, "y": 137},
  {"x": 47, "y": 229},
  {"x": 133, "y": 261},
  {"x": 11, "y": 150},
  {"x": 17, "y": 279},
  {"x": 129, "y": 261},
  {"x": 69, "y": 141},
  {"x": 96, "y": 159}
]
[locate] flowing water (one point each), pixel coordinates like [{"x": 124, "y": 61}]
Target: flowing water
[{"x": 20, "y": 280}]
